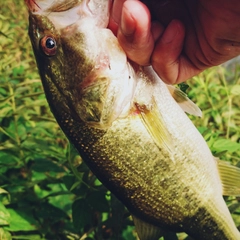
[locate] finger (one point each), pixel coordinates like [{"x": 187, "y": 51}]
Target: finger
[
  {"x": 136, "y": 34},
  {"x": 115, "y": 16},
  {"x": 168, "y": 60}
]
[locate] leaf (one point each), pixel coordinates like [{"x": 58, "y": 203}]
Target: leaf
[
  {"x": 60, "y": 197},
  {"x": 233, "y": 207},
  {"x": 4, "y": 215},
  {"x": 63, "y": 201},
  {"x": 128, "y": 233},
  {"x": 45, "y": 165},
  {"x": 5, "y": 235},
  {"x": 7, "y": 159},
  {"x": 3, "y": 34},
  {"x": 4, "y": 196},
  {"x": 28, "y": 236},
  {"x": 81, "y": 214},
  {"x": 50, "y": 212},
  {"x": 225, "y": 145},
  {"x": 97, "y": 200},
  {"x": 235, "y": 90},
  {"x": 6, "y": 99},
  {"x": 38, "y": 176},
  {"x": 41, "y": 193},
  {"x": 170, "y": 236},
  {"x": 69, "y": 180},
  {"x": 18, "y": 71},
  {"x": 21, "y": 220}
]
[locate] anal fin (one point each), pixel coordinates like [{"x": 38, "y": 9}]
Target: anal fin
[
  {"x": 147, "y": 231},
  {"x": 230, "y": 177}
]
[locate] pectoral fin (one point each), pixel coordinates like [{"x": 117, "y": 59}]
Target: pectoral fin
[
  {"x": 147, "y": 231},
  {"x": 230, "y": 177},
  {"x": 184, "y": 102},
  {"x": 153, "y": 120}
]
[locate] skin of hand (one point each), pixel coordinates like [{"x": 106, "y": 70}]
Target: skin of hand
[{"x": 179, "y": 38}]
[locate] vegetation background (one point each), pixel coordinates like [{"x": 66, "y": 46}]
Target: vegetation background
[{"x": 40, "y": 197}]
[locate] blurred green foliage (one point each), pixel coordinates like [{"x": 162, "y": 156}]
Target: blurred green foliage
[{"x": 40, "y": 197}]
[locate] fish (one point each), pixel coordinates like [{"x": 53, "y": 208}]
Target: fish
[{"x": 128, "y": 126}]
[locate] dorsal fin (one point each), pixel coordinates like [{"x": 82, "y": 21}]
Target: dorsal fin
[
  {"x": 184, "y": 102},
  {"x": 230, "y": 177}
]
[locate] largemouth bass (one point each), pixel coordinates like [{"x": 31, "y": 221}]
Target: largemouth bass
[{"x": 128, "y": 126}]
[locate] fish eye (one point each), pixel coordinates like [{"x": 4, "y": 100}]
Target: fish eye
[{"x": 48, "y": 45}]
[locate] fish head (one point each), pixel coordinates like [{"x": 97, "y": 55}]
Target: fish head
[
  {"x": 55, "y": 29},
  {"x": 81, "y": 63},
  {"x": 49, "y": 56}
]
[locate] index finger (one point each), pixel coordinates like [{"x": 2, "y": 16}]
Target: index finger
[{"x": 115, "y": 15}]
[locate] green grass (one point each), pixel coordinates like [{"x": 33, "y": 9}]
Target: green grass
[{"x": 40, "y": 197}]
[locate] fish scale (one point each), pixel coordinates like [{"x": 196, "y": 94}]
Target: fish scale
[
  {"x": 131, "y": 132},
  {"x": 144, "y": 197},
  {"x": 136, "y": 170}
]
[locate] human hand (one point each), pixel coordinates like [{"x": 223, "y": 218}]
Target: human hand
[{"x": 179, "y": 38}]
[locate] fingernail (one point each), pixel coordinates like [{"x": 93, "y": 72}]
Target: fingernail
[{"x": 171, "y": 32}]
